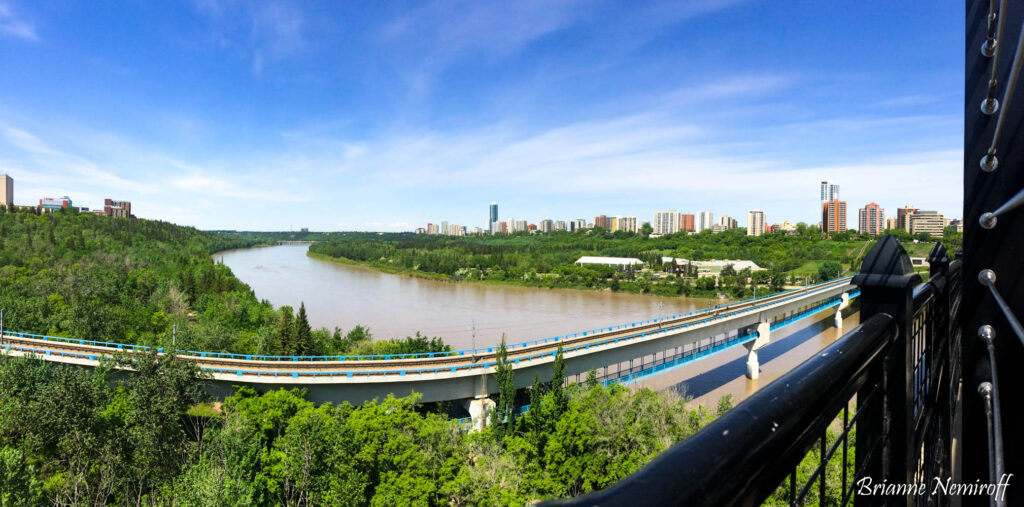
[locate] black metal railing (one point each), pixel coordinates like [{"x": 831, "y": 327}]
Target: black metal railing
[{"x": 882, "y": 394}]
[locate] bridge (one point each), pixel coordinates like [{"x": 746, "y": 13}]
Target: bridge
[{"x": 622, "y": 352}]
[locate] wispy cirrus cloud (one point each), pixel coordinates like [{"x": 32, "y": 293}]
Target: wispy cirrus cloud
[
  {"x": 266, "y": 31},
  {"x": 13, "y": 25}
]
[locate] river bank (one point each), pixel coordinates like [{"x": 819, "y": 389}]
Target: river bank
[{"x": 344, "y": 294}]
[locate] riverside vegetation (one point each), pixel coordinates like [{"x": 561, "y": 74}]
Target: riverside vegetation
[
  {"x": 548, "y": 260},
  {"x": 131, "y": 281}
]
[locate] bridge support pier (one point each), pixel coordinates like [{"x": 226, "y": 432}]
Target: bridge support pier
[
  {"x": 763, "y": 335},
  {"x": 839, "y": 310},
  {"x": 479, "y": 409}
]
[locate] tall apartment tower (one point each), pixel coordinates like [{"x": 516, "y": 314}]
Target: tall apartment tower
[
  {"x": 665, "y": 222},
  {"x": 705, "y": 219},
  {"x": 871, "y": 219},
  {"x": 829, "y": 192},
  {"x": 833, "y": 217},
  {"x": 903, "y": 216},
  {"x": 686, "y": 222},
  {"x": 7, "y": 191},
  {"x": 755, "y": 223},
  {"x": 493, "y": 216}
]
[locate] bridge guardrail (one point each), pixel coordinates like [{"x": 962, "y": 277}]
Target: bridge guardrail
[{"x": 481, "y": 365}]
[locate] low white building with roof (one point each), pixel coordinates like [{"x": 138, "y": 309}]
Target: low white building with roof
[{"x": 610, "y": 261}]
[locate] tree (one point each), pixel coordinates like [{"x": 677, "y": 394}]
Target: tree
[
  {"x": 304, "y": 344},
  {"x": 558, "y": 381},
  {"x": 830, "y": 270},
  {"x": 646, "y": 229},
  {"x": 286, "y": 337},
  {"x": 503, "y": 374}
]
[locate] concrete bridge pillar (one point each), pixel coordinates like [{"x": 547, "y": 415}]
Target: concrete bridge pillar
[
  {"x": 479, "y": 409},
  {"x": 845, "y": 301},
  {"x": 763, "y": 334}
]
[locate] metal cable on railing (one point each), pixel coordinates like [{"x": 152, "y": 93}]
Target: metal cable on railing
[
  {"x": 988, "y": 220},
  {"x": 990, "y": 49},
  {"x": 985, "y": 390},
  {"x": 996, "y": 465},
  {"x": 987, "y": 277},
  {"x": 989, "y": 162}
]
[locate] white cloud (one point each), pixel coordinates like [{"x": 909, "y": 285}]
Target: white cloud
[{"x": 13, "y": 25}]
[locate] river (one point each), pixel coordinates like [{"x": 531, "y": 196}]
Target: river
[{"x": 338, "y": 295}]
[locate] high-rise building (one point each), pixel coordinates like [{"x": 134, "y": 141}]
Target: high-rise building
[
  {"x": 559, "y": 225},
  {"x": 705, "y": 219},
  {"x": 902, "y": 217},
  {"x": 728, "y": 222},
  {"x": 444, "y": 227},
  {"x": 665, "y": 222},
  {"x": 755, "y": 222},
  {"x": 603, "y": 221},
  {"x": 6, "y": 191},
  {"x": 891, "y": 223},
  {"x": 494, "y": 217},
  {"x": 871, "y": 219},
  {"x": 829, "y": 192},
  {"x": 432, "y": 228},
  {"x": 547, "y": 225},
  {"x": 520, "y": 225},
  {"x": 112, "y": 208},
  {"x": 686, "y": 222},
  {"x": 927, "y": 221},
  {"x": 627, "y": 224},
  {"x": 833, "y": 217}
]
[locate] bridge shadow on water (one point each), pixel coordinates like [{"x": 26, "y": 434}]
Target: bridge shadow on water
[{"x": 703, "y": 383}]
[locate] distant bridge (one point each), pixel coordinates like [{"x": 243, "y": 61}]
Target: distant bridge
[{"x": 617, "y": 352}]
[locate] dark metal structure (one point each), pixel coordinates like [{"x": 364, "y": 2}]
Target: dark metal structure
[{"x": 919, "y": 402}]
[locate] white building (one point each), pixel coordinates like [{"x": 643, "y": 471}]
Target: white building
[
  {"x": 609, "y": 261},
  {"x": 546, "y": 226},
  {"x": 665, "y": 222},
  {"x": 755, "y": 222},
  {"x": 728, "y": 222},
  {"x": 704, "y": 220}
]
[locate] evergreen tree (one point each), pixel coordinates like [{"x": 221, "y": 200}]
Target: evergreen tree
[
  {"x": 505, "y": 377},
  {"x": 304, "y": 344},
  {"x": 286, "y": 332},
  {"x": 558, "y": 382}
]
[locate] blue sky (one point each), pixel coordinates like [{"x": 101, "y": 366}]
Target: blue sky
[{"x": 271, "y": 115}]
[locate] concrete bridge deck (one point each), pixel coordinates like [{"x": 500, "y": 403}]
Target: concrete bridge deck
[{"x": 468, "y": 373}]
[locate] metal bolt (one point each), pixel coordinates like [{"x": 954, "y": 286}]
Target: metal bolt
[
  {"x": 989, "y": 163},
  {"x": 987, "y": 277},
  {"x": 987, "y": 334},
  {"x": 987, "y": 220},
  {"x": 985, "y": 389},
  {"x": 989, "y": 106},
  {"x": 988, "y": 48}
]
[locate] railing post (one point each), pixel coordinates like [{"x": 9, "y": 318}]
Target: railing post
[{"x": 886, "y": 282}]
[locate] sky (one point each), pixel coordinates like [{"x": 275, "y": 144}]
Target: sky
[{"x": 277, "y": 114}]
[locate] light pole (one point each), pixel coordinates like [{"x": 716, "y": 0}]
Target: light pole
[{"x": 1, "y": 326}]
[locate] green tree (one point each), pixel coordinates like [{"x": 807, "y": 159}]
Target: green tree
[
  {"x": 505, "y": 377},
  {"x": 830, "y": 270},
  {"x": 286, "y": 336},
  {"x": 304, "y": 344}
]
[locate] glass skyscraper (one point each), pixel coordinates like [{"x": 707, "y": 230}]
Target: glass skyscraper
[{"x": 494, "y": 217}]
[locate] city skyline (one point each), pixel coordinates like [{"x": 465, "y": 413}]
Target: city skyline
[{"x": 277, "y": 116}]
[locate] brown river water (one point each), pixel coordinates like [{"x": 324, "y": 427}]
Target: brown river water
[{"x": 338, "y": 295}]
